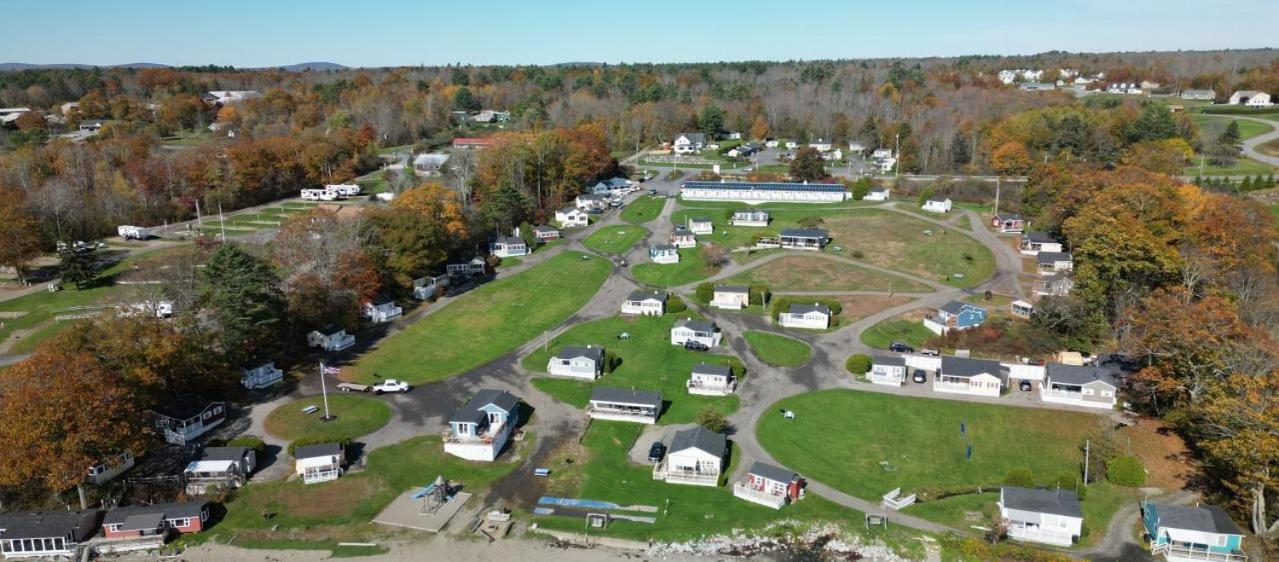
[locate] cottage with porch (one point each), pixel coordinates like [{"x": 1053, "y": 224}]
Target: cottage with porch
[
  {"x": 619, "y": 404},
  {"x": 663, "y": 254},
  {"x": 696, "y": 457},
  {"x": 136, "y": 523},
  {"x": 428, "y": 287},
  {"x": 183, "y": 419},
  {"x": 102, "y": 472},
  {"x": 937, "y": 206},
  {"x": 645, "y": 303},
  {"x": 1058, "y": 285},
  {"x": 749, "y": 218},
  {"x": 731, "y": 297},
  {"x": 682, "y": 238},
  {"x": 1182, "y": 533},
  {"x": 878, "y": 194},
  {"x": 700, "y": 225},
  {"x": 219, "y": 468},
  {"x": 1051, "y": 263},
  {"x": 804, "y": 238},
  {"x": 1034, "y": 242},
  {"x": 579, "y": 362},
  {"x": 1043, "y": 516},
  {"x": 481, "y": 428},
  {"x": 381, "y": 312},
  {"x": 262, "y": 376},
  {"x": 704, "y": 332},
  {"x": 808, "y": 316},
  {"x": 45, "y": 533},
  {"x": 508, "y": 247},
  {"x": 962, "y": 375},
  {"x": 1008, "y": 222},
  {"x": 955, "y": 315},
  {"x": 886, "y": 370},
  {"x": 590, "y": 201},
  {"x": 769, "y": 486},
  {"x": 545, "y": 233},
  {"x": 319, "y": 463},
  {"x": 330, "y": 338},
  {"x": 711, "y": 380},
  {"x": 474, "y": 268},
  {"x": 1092, "y": 387}
]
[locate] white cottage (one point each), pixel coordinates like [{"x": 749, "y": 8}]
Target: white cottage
[
  {"x": 711, "y": 380},
  {"x": 330, "y": 338},
  {"x": 731, "y": 297},
  {"x": 645, "y": 303},
  {"x": 937, "y": 206},
  {"x": 704, "y": 332},
  {"x": 749, "y": 218},
  {"x": 508, "y": 247},
  {"x": 1043, "y": 516},
  {"x": 426, "y": 288},
  {"x": 580, "y": 362},
  {"x": 261, "y": 376},
  {"x": 664, "y": 254},
  {"x": 962, "y": 375},
  {"x": 618, "y": 404},
  {"x": 572, "y": 217},
  {"x": 380, "y": 312},
  {"x": 700, "y": 225},
  {"x": 808, "y": 316},
  {"x": 877, "y": 194},
  {"x": 889, "y": 371},
  {"x": 480, "y": 429},
  {"x": 695, "y": 457},
  {"x": 319, "y": 463}
]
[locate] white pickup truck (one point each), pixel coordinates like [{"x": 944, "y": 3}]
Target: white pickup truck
[{"x": 388, "y": 385}]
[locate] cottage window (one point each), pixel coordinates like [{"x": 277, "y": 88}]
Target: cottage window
[
  {"x": 184, "y": 522},
  {"x": 1088, "y": 392},
  {"x": 1221, "y": 540},
  {"x": 113, "y": 527}
]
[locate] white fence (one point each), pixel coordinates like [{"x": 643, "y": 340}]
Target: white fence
[{"x": 893, "y": 499}]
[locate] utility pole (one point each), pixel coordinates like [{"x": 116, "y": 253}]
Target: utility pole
[
  {"x": 1087, "y": 451},
  {"x": 997, "y": 182},
  {"x": 324, "y": 391},
  {"x": 198, "y": 220},
  {"x": 897, "y": 148},
  {"x": 222, "y": 222}
]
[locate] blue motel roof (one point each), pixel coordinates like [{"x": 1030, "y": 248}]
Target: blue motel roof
[{"x": 766, "y": 186}]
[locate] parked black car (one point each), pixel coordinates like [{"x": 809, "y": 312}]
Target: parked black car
[
  {"x": 696, "y": 346},
  {"x": 656, "y": 452},
  {"x": 1025, "y": 385},
  {"x": 919, "y": 376},
  {"x": 900, "y": 347}
]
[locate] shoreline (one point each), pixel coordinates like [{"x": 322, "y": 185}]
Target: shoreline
[{"x": 437, "y": 548}]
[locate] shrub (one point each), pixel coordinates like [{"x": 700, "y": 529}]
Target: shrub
[
  {"x": 676, "y": 304},
  {"x": 315, "y": 441},
  {"x": 1022, "y": 477},
  {"x": 251, "y": 441},
  {"x": 712, "y": 419},
  {"x": 611, "y": 361},
  {"x": 705, "y": 292},
  {"x": 858, "y": 364},
  {"x": 759, "y": 294},
  {"x": 1126, "y": 471}
]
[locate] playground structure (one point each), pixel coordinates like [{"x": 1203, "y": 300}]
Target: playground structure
[
  {"x": 429, "y": 508},
  {"x": 434, "y": 496}
]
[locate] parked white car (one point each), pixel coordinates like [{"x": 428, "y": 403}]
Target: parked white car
[{"x": 391, "y": 385}]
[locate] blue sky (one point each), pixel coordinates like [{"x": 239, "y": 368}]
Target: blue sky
[{"x": 248, "y": 33}]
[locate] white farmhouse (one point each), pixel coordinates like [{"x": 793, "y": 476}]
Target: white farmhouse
[
  {"x": 1250, "y": 98},
  {"x": 689, "y": 143}
]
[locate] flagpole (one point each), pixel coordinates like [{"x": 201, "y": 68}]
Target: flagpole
[{"x": 324, "y": 390}]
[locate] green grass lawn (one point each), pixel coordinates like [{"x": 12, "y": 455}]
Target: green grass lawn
[
  {"x": 778, "y": 351},
  {"x": 1242, "y": 167},
  {"x": 487, "y": 322},
  {"x": 356, "y": 415},
  {"x": 883, "y": 334},
  {"x": 689, "y": 269},
  {"x": 878, "y": 237},
  {"x": 921, "y": 439},
  {"x": 644, "y": 209},
  {"x": 692, "y": 511},
  {"x": 649, "y": 362},
  {"x": 615, "y": 239},
  {"x": 808, "y": 272},
  {"x": 312, "y": 516},
  {"x": 1211, "y": 126}
]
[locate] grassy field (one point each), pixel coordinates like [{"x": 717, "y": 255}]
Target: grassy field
[
  {"x": 356, "y": 415},
  {"x": 688, "y": 512},
  {"x": 1211, "y": 126},
  {"x": 615, "y": 239},
  {"x": 878, "y": 237},
  {"x": 649, "y": 362},
  {"x": 920, "y": 438},
  {"x": 883, "y": 334},
  {"x": 814, "y": 273},
  {"x": 1271, "y": 148},
  {"x": 690, "y": 268},
  {"x": 644, "y": 209},
  {"x": 313, "y": 516},
  {"x": 486, "y": 323},
  {"x": 1242, "y": 167},
  {"x": 778, "y": 351}
]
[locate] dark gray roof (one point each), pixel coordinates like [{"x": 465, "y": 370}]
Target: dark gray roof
[
  {"x": 500, "y": 398},
  {"x": 1074, "y": 374},
  {"x": 700, "y": 438},
  {"x": 320, "y": 450},
  {"x": 330, "y": 329},
  {"x": 44, "y": 524},
  {"x": 623, "y": 396},
  {"x": 732, "y": 289},
  {"x": 718, "y": 370},
  {"x": 966, "y": 367},
  {"x": 1039, "y": 237},
  {"x": 142, "y": 522},
  {"x": 806, "y": 308},
  {"x": 1056, "y": 502},
  {"x": 168, "y": 510},
  {"x": 510, "y": 240},
  {"x": 664, "y": 248},
  {"x": 1051, "y": 257},
  {"x": 699, "y": 219},
  {"x": 567, "y": 210},
  {"x": 467, "y": 415},
  {"x": 696, "y": 325},
  {"x": 645, "y": 295},
  {"x": 804, "y": 233},
  {"x": 545, "y": 228},
  {"x": 224, "y": 453},
  {"x": 775, "y": 473},
  {"x": 1204, "y": 518},
  {"x": 694, "y": 137},
  {"x": 886, "y": 360},
  {"x": 956, "y": 307},
  {"x": 591, "y": 352},
  {"x": 1008, "y": 216}
]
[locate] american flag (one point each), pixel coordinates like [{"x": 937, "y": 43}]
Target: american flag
[{"x": 330, "y": 370}]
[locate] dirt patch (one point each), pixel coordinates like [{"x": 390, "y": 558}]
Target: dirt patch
[
  {"x": 568, "y": 467},
  {"x": 858, "y": 307},
  {"x": 813, "y": 273},
  {"x": 330, "y": 500},
  {"x": 1169, "y": 464}
]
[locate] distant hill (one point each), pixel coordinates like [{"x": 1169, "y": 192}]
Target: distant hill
[{"x": 15, "y": 66}]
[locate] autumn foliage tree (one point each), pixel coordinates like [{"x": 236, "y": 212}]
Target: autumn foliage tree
[
  {"x": 419, "y": 230},
  {"x": 19, "y": 233}
]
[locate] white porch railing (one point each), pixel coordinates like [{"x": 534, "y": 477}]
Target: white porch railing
[
  {"x": 662, "y": 472},
  {"x": 1180, "y": 552},
  {"x": 955, "y": 386},
  {"x": 320, "y": 475},
  {"x": 744, "y": 491},
  {"x": 1061, "y": 394},
  {"x": 893, "y": 499},
  {"x": 1039, "y": 534},
  {"x": 884, "y": 378}
]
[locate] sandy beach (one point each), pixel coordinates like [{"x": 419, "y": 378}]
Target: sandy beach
[{"x": 439, "y": 548}]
